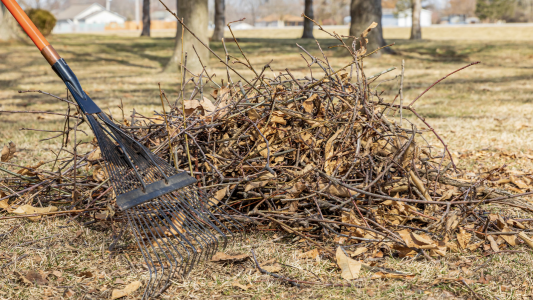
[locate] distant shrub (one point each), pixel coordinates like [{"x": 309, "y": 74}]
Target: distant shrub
[{"x": 43, "y": 19}]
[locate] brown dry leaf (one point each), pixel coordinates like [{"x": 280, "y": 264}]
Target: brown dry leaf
[
  {"x": 28, "y": 209},
  {"x": 96, "y": 155},
  {"x": 312, "y": 254},
  {"x": 26, "y": 171},
  {"x": 218, "y": 196},
  {"x": 463, "y": 238},
  {"x": 406, "y": 237},
  {"x": 510, "y": 239},
  {"x": 350, "y": 268},
  {"x": 493, "y": 244},
  {"x": 57, "y": 273},
  {"x": 69, "y": 293},
  {"x": 526, "y": 239},
  {"x": 518, "y": 182},
  {"x": 261, "y": 181},
  {"x": 32, "y": 277},
  {"x": 207, "y": 106},
  {"x": 241, "y": 286},
  {"x": 474, "y": 246},
  {"x": 277, "y": 117},
  {"x": 8, "y": 152},
  {"x": 330, "y": 165},
  {"x": 358, "y": 251},
  {"x": 191, "y": 105},
  {"x": 4, "y": 204},
  {"x": 404, "y": 251},
  {"x": 223, "y": 257},
  {"x": 379, "y": 275},
  {"x": 130, "y": 288},
  {"x": 86, "y": 274},
  {"x": 272, "y": 269},
  {"x": 516, "y": 224},
  {"x": 309, "y": 104},
  {"x": 99, "y": 173}
]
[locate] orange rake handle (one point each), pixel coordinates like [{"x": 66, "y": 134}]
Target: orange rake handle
[{"x": 35, "y": 35}]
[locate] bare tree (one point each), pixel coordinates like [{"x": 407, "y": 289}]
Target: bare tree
[
  {"x": 146, "y": 18},
  {"x": 363, "y": 13},
  {"x": 220, "y": 20},
  {"x": 195, "y": 16},
  {"x": 8, "y": 28},
  {"x": 308, "y": 24},
  {"x": 416, "y": 29}
]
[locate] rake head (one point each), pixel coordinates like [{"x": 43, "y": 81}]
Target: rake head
[{"x": 174, "y": 224}]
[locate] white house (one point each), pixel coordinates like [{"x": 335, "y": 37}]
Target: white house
[
  {"x": 405, "y": 18},
  {"x": 85, "y": 17}
]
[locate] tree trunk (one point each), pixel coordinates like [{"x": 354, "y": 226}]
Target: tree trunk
[
  {"x": 195, "y": 16},
  {"x": 363, "y": 13},
  {"x": 146, "y": 18},
  {"x": 308, "y": 25},
  {"x": 8, "y": 28},
  {"x": 220, "y": 20},
  {"x": 416, "y": 30}
]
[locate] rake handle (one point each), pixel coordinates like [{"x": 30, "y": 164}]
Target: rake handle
[
  {"x": 35, "y": 35},
  {"x": 58, "y": 64}
]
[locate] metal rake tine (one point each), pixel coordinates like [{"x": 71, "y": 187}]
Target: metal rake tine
[
  {"x": 145, "y": 253},
  {"x": 194, "y": 227},
  {"x": 202, "y": 230}
]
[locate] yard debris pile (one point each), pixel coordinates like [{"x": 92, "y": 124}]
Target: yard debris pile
[{"x": 323, "y": 159}]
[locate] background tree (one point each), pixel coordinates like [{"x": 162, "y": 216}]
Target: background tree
[
  {"x": 308, "y": 24},
  {"x": 195, "y": 16},
  {"x": 416, "y": 29},
  {"x": 8, "y": 25},
  {"x": 363, "y": 13},
  {"x": 220, "y": 20},
  {"x": 494, "y": 10},
  {"x": 146, "y": 18}
]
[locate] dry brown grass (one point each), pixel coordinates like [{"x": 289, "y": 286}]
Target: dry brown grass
[{"x": 481, "y": 112}]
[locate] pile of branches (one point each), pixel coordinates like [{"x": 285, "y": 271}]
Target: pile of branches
[{"x": 324, "y": 158}]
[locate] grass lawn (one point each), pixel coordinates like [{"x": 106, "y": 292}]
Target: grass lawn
[{"x": 483, "y": 113}]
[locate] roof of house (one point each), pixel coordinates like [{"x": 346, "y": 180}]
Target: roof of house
[
  {"x": 100, "y": 11},
  {"x": 72, "y": 11}
]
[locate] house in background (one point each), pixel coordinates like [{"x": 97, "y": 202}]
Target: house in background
[
  {"x": 280, "y": 21},
  {"x": 86, "y": 17}
]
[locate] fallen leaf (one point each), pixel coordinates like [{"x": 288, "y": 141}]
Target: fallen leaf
[
  {"x": 359, "y": 251},
  {"x": 526, "y": 239},
  {"x": 33, "y": 277},
  {"x": 28, "y": 209},
  {"x": 312, "y": 254},
  {"x": 463, "y": 238},
  {"x": 272, "y": 269},
  {"x": 218, "y": 196},
  {"x": 221, "y": 256},
  {"x": 510, "y": 239},
  {"x": 86, "y": 274},
  {"x": 8, "y": 152},
  {"x": 119, "y": 281},
  {"x": 243, "y": 287},
  {"x": 379, "y": 275},
  {"x": 130, "y": 288},
  {"x": 493, "y": 244},
  {"x": 518, "y": 182},
  {"x": 349, "y": 268},
  {"x": 69, "y": 293},
  {"x": 308, "y": 104},
  {"x": 57, "y": 274}
]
